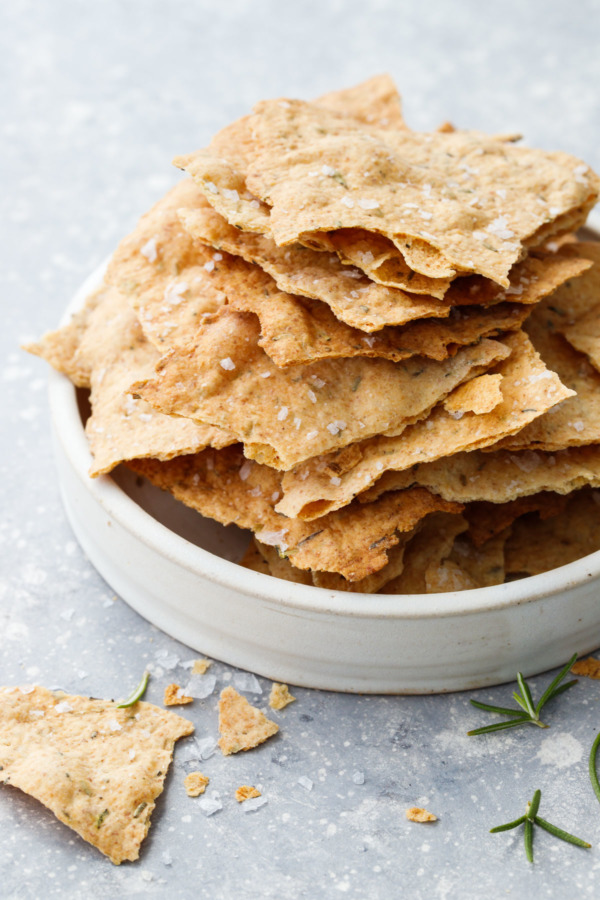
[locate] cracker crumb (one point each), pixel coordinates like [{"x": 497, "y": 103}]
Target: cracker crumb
[
  {"x": 589, "y": 667},
  {"x": 201, "y": 666},
  {"x": 416, "y": 814},
  {"x": 174, "y": 696},
  {"x": 246, "y": 792},
  {"x": 241, "y": 726},
  {"x": 280, "y": 696},
  {"x": 195, "y": 783}
]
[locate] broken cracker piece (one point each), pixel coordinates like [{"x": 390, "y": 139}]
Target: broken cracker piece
[
  {"x": 246, "y": 792},
  {"x": 589, "y": 667},
  {"x": 280, "y": 696},
  {"x": 195, "y": 783},
  {"x": 416, "y": 814},
  {"x": 201, "y": 666},
  {"x": 241, "y": 725},
  {"x": 97, "y": 767},
  {"x": 174, "y": 696}
]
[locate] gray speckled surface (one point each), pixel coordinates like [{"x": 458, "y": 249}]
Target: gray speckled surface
[{"x": 96, "y": 100}]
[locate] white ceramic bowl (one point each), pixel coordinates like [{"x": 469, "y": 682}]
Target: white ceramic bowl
[{"x": 175, "y": 568}]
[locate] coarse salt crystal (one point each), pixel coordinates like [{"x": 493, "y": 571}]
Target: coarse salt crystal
[
  {"x": 228, "y": 364},
  {"x": 579, "y": 173},
  {"x": 217, "y": 257},
  {"x": 246, "y": 681},
  {"x": 209, "y": 185},
  {"x": 132, "y": 754},
  {"x": 425, "y": 214},
  {"x": 254, "y": 204},
  {"x": 335, "y": 427},
  {"x": 297, "y": 422},
  {"x": 209, "y": 266},
  {"x": 335, "y": 480},
  {"x": 200, "y": 686},
  {"x": 327, "y": 170},
  {"x": 253, "y": 804},
  {"x": 578, "y": 426},
  {"x": 347, "y": 201},
  {"x": 358, "y": 777},
  {"x": 312, "y": 396},
  {"x": 499, "y": 227},
  {"x": 149, "y": 250},
  {"x": 114, "y": 725},
  {"x": 245, "y": 469},
  {"x": 63, "y": 707},
  {"x": 305, "y": 782},
  {"x": 310, "y": 436},
  {"x": 318, "y": 382},
  {"x": 368, "y": 203},
  {"x": 265, "y": 374},
  {"x": 210, "y": 804},
  {"x": 274, "y": 538},
  {"x": 231, "y": 194},
  {"x": 145, "y": 417},
  {"x": 27, "y": 689},
  {"x": 282, "y": 414}
]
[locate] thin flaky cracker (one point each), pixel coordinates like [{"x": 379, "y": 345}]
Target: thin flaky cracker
[
  {"x": 201, "y": 666},
  {"x": 484, "y": 563},
  {"x": 284, "y": 416},
  {"x": 352, "y": 297},
  {"x": 578, "y": 306},
  {"x": 478, "y": 395},
  {"x": 246, "y": 792},
  {"x": 60, "y": 348},
  {"x": 382, "y": 181},
  {"x": 176, "y": 696},
  {"x": 528, "y": 389},
  {"x": 426, "y": 550},
  {"x": 486, "y": 520},
  {"x": 352, "y": 541},
  {"x": 121, "y": 427},
  {"x": 589, "y": 668},
  {"x": 375, "y": 102},
  {"x": 499, "y": 476},
  {"x": 279, "y": 696},
  {"x": 254, "y": 560},
  {"x": 98, "y": 768},
  {"x": 195, "y": 783},
  {"x": 165, "y": 274},
  {"x": 416, "y": 814},
  {"x": 538, "y": 545},
  {"x": 241, "y": 726},
  {"x": 447, "y": 577}
]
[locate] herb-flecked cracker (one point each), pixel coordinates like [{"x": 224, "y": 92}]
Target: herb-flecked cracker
[
  {"x": 241, "y": 726},
  {"x": 98, "y": 768}
]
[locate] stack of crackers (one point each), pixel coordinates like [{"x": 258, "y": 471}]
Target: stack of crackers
[{"x": 376, "y": 349}]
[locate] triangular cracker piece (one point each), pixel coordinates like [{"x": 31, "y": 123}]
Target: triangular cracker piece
[
  {"x": 98, "y": 768},
  {"x": 241, "y": 725},
  {"x": 528, "y": 389}
]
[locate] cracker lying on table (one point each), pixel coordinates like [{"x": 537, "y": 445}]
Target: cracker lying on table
[
  {"x": 589, "y": 667},
  {"x": 352, "y": 541},
  {"x": 241, "y": 726},
  {"x": 280, "y": 696},
  {"x": 98, "y": 768},
  {"x": 286, "y": 416},
  {"x": 195, "y": 783},
  {"x": 246, "y": 792},
  {"x": 528, "y": 389},
  {"x": 416, "y": 814},
  {"x": 175, "y": 696}
]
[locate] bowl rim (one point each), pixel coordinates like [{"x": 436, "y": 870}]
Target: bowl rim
[{"x": 161, "y": 540}]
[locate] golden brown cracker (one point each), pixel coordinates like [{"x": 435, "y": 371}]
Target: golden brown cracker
[
  {"x": 589, "y": 668},
  {"x": 374, "y": 102},
  {"x": 98, "y": 768},
  {"x": 195, "y": 784},
  {"x": 246, "y": 792},
  {"x": 486, "y": 519},
  {"x": 201, "y": 666},
  {"x": 352, "y": 541},
  {"x": 483, "y": 563},
  {"x": 416, "y": 814},
  {"x": 286, "y": 416},
  {"x": 279, "y": 696},
  {"x": 478, "y": 395},
  {"x": 175, "y": 696},
  {"x": 241, "y": 726},
  {"x": 428, "y": 547},
  {"x": 528, "y": 388},
  {"x": 253, "y": 559}
]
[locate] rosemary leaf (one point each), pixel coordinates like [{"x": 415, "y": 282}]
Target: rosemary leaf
[
  {"x": 501, "y": 710},
  {"x": 137, "y": 693},
  {"x": 534, "y": 805},
  {"x": 559, "y": 833},
  {"x": 550, "y": 690},
  {"x": 508, "y": 825},
  {"x": 499, "y": 726},
  {"x": 528, "y": 836},
  {"x": 527, "y": 698},
  {"x": 592, "y": 766}
]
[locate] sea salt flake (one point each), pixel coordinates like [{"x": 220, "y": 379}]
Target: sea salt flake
[
  {"x": 310, "y": 436},
  {"x": 246, "y": 681},
  {"x": 347, "y": 201},
  {"x": 207, "y": 747},
  {"x": 282, "y": 414},
  {"x": 228, "y": 364},
  {"x": 335, "y": 480},
  {"x": 29, "y": 689},
  {"x": 200, "y": 686},
  {"x": 231, "y": 194},
  {"x": 132, "y": 754},
  {"x": 67, "y": 614},
  {"x": 245, "y": 469},
  {"x": 305, "y": 782},
  {"x": 579, "y": 173},
  {"x": 499, "y": 228},
  {"x": 63, "y": 707},
  {"x": 335, "y": 427},
  {"x": 209, "y": 266},
  {"x": 114, "y": 725},
  {"x": 367, "y": 203},
  {"x": 167, "y": 659},
  {"x": 358, "y": 777},
  {"x": 274, "y": 538},
  {"x": 253, "y": 804},
  {"x": 149, "y": 250},
  {"x": 327, "y": 170},
  {"x": 210, "y": 803},
  {"x": 312, "y": 396},
  {"x": 209, "y": 185}
]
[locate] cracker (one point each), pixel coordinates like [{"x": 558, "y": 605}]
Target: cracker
[
  {"x": 165, "y": 274},
  {"x": 241, "y": 726},
  {"x": 195, "y": 784},
  {"x": 486, "y": 520},
  {"x": 528, "y": 389},
  {"x": 116, "y": 352},
  {"x": 482, "y": 563},
  {"x": 246, "y": 792},
  {"x": 448, "y": 576},
  {"x": 352, "y": 541},
  {"x": 537, "y": 545},
  {"x": 286, "y": 416},
  {"x": 253, "y": 559},
  {"x": 416, "y": 814},
  {"x": 500, "y": 476},
  {"x": 590, "y": 667},
  {"x": 201, "y": 666},
  {"x": 374, "y": 102},
  {"x": 426, "y": 550},
  {"x": 280, "y": 696},
  {"x": 175, "y": 696},
  {"x": 577, "y": 311},
  {"x": 479, "y": 395},
  {"x": 60, "y": 348},
  {"x": 98, "y": 768}
]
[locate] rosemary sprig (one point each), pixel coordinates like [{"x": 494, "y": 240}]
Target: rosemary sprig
[
  {"x": 530, "y": 819},
  {"x": 528, "y": 714},
  {"x": 137, "y": 693},
  {"x": 592, "y": 765}
]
